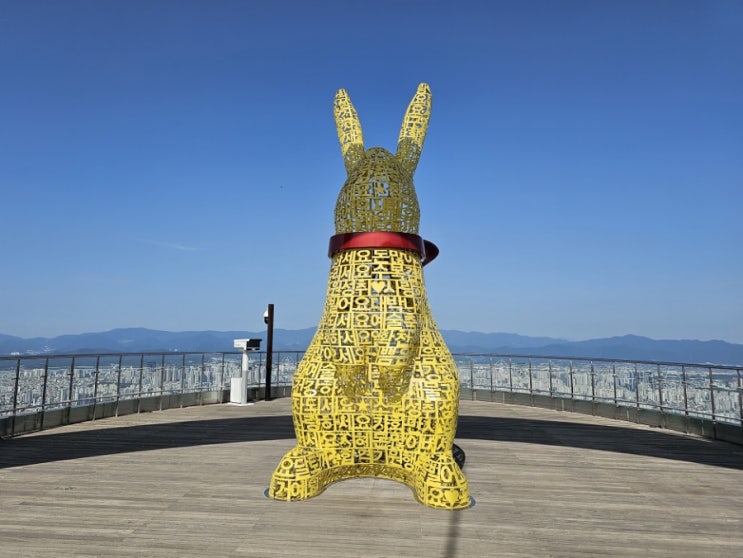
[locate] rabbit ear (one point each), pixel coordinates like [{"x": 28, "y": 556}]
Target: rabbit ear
[
  {"x": 349, "y": 130},
  {"x": 413, "y": 130}
]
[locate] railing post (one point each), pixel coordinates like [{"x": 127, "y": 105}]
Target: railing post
[
  {"x": 712, "y": 394},
  {"x": 69, "y": 389},
  {"x": 490, "y": 360},
  {"x": 510, "y": 375},
  {"x": 43, "y": 394},
  {"x": 139, "y": 388},
  {"x": 162, "y": 380},
  {"x": 740, "y": 399},
  {"x": 686, "y": 395},
  {"x": 531, "y": 381},
  {"x": 17, "y": 387},
  {"x": 95, "y": 385},
  {"x": 118, "y": 385},
  {"x": 549, "y": 368},
  {"x": 614, "y": 377},
  {"x": 660, "y": 389},
  {"x": 261, "y": 365},
  {"x": 183, "y": 376},
  {"x": 637, "y": 392},
  {"x": 220, "y": 385},
  {"x": 572, "y": 383},
  {"x": 201, "y": 378},
  {"x": 593, "y": 384},
  {"x": 472, "y": 380}
]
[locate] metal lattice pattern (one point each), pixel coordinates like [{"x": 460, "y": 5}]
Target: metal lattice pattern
[{"x": 377, "y": 392}]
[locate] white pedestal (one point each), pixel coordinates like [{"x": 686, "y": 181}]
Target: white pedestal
[{"x": 238, "y": 393}]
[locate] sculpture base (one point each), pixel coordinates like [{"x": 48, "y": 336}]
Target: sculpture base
[{"x": 436, "y": 482}]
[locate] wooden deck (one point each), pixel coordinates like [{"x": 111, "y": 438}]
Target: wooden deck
[{"x": 190, "y": 483}]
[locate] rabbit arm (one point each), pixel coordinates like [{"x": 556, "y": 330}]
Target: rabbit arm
[
  {"x": 349, "y": 130},
  {"x": 414, "y": 127}
]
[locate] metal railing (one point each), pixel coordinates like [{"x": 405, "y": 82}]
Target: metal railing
[
  {"x": 696, "y": 390},
  {"x": 695, "y": 398},
  {"x": 38, "y": 392}
]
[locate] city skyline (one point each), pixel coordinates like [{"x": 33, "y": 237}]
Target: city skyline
[{"x": 175, "y": 166}]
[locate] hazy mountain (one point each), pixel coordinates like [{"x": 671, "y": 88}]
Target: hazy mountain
[
  {"x": 150, "y": 340},
  {"x": 628, "y": 347}
]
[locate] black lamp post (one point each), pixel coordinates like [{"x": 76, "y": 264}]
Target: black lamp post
[{"x": 268, "y": 319}]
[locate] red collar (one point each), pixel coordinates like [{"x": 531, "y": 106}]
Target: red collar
[{"x": 384, "y": 239}]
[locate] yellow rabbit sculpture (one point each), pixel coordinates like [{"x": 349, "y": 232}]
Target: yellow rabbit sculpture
[{"x": 377, "y": 392}]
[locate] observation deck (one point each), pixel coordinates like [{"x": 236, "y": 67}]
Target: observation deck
[{"x": 190, "y": 482}]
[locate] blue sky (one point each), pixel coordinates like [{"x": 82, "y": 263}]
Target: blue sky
[{"x": 174, "y": 164}]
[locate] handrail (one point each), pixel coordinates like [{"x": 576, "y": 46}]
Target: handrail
[
  {"x": 713, "y": 392},
  {"x": 112, "y": 383}
]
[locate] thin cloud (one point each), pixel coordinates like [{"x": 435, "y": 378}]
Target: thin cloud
[
  {"x": 103, "y": 279},
  {"x": 173, "y": 246}
]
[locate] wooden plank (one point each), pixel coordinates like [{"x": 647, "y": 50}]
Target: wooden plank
[{"x": 190, "y": 482}]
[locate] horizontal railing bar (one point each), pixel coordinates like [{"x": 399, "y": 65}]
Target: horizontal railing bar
[
  {"x": 599, "y": 359},
  {"x": 704, "y": 365}
]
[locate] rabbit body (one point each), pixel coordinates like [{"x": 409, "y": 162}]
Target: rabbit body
[{"x": 377, "y": 392}]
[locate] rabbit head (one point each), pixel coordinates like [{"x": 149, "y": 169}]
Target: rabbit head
[{"x": 379, "y": 194}]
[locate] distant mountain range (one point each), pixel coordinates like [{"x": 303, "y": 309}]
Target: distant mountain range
[{"x": 627, "y": 347}]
